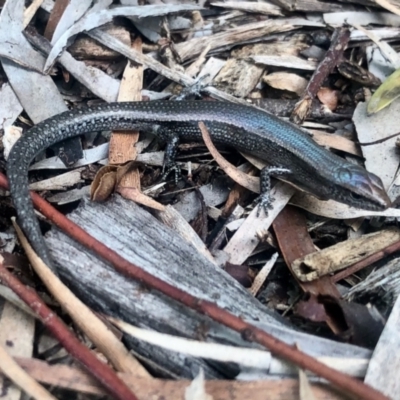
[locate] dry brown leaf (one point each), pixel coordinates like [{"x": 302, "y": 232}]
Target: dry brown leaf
[{"x": 123, "y": 170}]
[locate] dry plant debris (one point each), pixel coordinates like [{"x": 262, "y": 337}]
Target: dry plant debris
[{"x": 178, "y": 262}]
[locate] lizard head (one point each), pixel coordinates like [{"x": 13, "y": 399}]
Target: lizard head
[{"x": 359, "y": 188}]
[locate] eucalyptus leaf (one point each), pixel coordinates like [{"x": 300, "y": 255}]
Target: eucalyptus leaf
[{"x": 385, "y": 94}]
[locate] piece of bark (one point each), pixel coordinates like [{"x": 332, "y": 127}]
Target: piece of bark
[
  {"x": 333, "y": 56},
  {"x": 246, "y": 6},
  {"x": 144, "y": 241},
  {"x": 156, "y": 248},
  {"x": 59, "y": 182},
  {"x": 238, "y": 77},
  {"x": 86, "y": 48},
  {"x": 231, "y": 37},
  {"x": 367, "y": 18},
  {"x": 385, "y": 279},
  {"x": 313, "y": 6},
  {"x": 287, "y": 61},
  {"x": 294, "y": 241},
  {"x": 284, "y": 46},
  {"x": 336, "y": 210},
  {"x": 286, "y": 81},
  {"x": 30, "y": 86}
]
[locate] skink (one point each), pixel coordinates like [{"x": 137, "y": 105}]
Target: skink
[{"x": 295, "y": 156}]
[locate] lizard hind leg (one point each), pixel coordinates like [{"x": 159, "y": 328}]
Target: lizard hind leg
[
  {"x": 265, "y": 200},
  {"x": 170, "y": 165}
]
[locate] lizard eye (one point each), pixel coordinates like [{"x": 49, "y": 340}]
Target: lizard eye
[
  {"x": 355, "y": 196},
  {"x": 344, "y": 174}
]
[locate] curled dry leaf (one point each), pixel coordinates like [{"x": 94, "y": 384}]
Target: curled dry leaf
[
  {"x": 107, "y": 182},
  {"x": 104, "y": 183},
  {"x": 125, "y": 169}
]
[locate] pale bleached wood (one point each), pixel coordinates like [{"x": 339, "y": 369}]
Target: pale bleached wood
[{"x": 384, "y": 366}]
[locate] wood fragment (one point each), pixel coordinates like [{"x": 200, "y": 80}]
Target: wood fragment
[
  {"x": 59, "y": 182},
  {"x": 231, "y": 37},
  {"x": 259, "y": 280},
  {"x": 333, "y": 209},
  {"x": 122, "y": 146},
  {"x": 86, "y": 48},
  {"x": 342, "y": 254},
  {"x": 245, "y": 240},
  {"x": 262, "y": 8},
  {"x": 238, "y": 77},
  {"x": 286, "y": 61}
]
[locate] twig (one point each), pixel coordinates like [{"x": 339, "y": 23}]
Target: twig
[{"x": 339, "y": 42}]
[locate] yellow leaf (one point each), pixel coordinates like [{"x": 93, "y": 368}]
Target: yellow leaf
[{"x": 385, "y": 94}]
